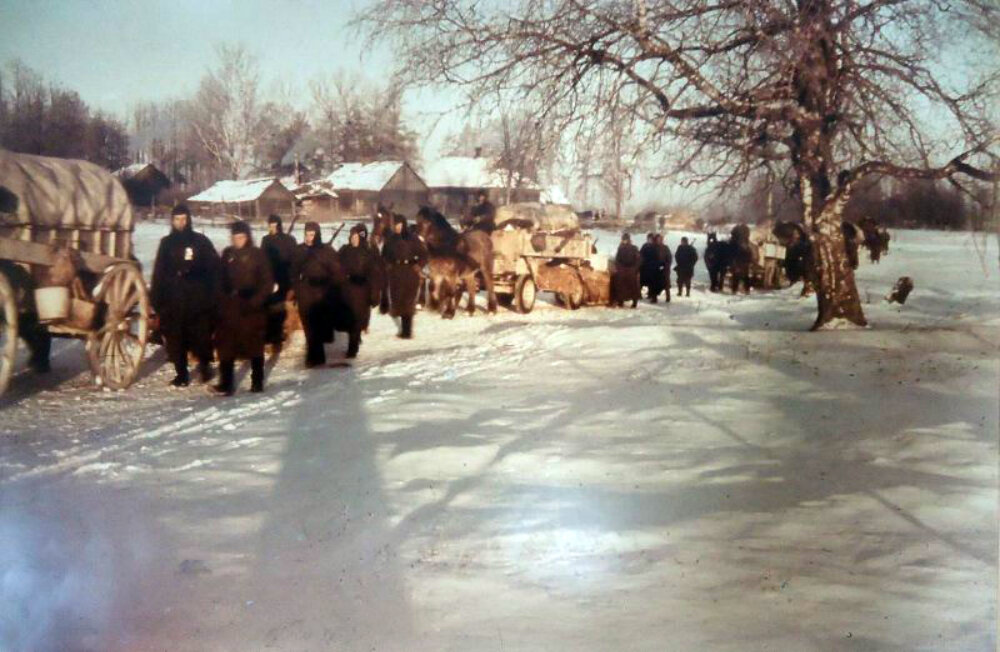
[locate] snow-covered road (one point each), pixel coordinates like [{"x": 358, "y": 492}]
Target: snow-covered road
[{"x": 703, "y": 475}]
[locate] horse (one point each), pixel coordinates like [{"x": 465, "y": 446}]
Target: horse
[{"x": 462, "y": 257}]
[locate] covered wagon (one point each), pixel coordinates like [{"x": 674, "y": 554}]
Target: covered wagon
[
  {"x": 539, "y": 247},
  {"x": 66, "y": 264}
]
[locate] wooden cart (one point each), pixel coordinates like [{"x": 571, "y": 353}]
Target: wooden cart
[
  {"x": 540, "y": 248},
  {"x": 56, "y": 210}
]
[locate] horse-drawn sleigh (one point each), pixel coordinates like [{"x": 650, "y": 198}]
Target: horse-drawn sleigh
[{"x": 67, "y": 267}]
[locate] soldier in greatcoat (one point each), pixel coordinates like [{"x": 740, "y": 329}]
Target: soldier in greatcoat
[
  {"x": 280, "y": 250},
  {"x": 625, "y": 280},
  {"x": 316, "y": 274},
  {"x": 184, "y": 293},
  {"x": 404, "y": 256},
  {"x": 360, "y": 289},
  {"x": 246, "y": 285}
]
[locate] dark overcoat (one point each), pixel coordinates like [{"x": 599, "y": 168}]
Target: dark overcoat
[
  {"x": 360, "y": 289},
  {"x": 184, "y": 292},
  {"x": 316, "y": 274},
  {"x": 280, "y": 249},
  {"x": 648, "y": 266},
  {"x": 686, "y": 257},
  {"x": 663, "y": 261},
  {"x": 247, "y": 283},
  {"x": 625, "y": 280},
  {"x": 404, "y": 256}
]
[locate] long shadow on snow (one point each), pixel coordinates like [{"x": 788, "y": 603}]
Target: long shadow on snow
[{"x": 326, "y": 567}]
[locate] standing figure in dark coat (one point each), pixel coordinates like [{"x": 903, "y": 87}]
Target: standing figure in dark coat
[
  {"x": 360, "y": 289},
  {"x": 717, "y": 260},
  {"x": 280, "y": 250},
  {"x": 483, "y": 215},
  {"x": 247, "y": 284},
  {"x": 686, "y": 257},
  {"x": 647, "y": 266},
  {"x": 405, "y": 257},
  {"x": 625, "y": 280},
  {"x": 315, "y": 275},
  {"x": 377, "y": 285},
  {"x": 663, "y": 261},
  {"x": 184, "y": 295}
]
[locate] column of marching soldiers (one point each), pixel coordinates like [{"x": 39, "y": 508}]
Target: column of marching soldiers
[{"x": 236, "y": 303}]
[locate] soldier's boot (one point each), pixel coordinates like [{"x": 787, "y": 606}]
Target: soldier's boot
[
  {"x": 315, "y": 353},
  {"x": 181, "y": 377},
  {"x": 226, "y": 370},
  {"x": 668, "y": 295},
  {"x": 354, "y": 344},
  {"x": 406, "y": 332},
  {"x": 257, "y": 374},
  {"x": 205, "y": 371}
]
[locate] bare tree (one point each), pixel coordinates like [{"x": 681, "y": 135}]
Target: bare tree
[
  {"x": 835, "y": 91},
  {"x": 357, "y": 120},
  {"x": 522, "y": 148},
  {"x": 227, "y": 110}
]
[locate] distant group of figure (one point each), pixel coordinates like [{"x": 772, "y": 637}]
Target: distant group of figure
[
  {"x": 650, "y": 268},
  {"x": 235, "y": 304}
]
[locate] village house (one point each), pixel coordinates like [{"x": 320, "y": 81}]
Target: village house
[
  {"x": 361, "y": 187},
  {"x": 456, "y": 181},
  {"x": 250, "y": 200},
  {"x": 144, "y": 184}
]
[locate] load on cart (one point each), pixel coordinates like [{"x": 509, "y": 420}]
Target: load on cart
[
  {"x": 67, "y": 267},
  {"x": 540, "y": 248}
]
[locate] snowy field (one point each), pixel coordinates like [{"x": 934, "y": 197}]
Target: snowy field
[{"x": 699, "y": 475}]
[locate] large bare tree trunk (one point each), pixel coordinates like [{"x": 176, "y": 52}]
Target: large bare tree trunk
[{"x": 836, "y": 291}]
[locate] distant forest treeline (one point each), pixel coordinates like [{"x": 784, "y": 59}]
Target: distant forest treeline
[
  {"x": 44, "y": 119},
  {"x": 228, "y": 129},
  {"x": 907, "y": 203}
]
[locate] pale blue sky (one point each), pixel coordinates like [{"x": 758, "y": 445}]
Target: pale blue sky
[{"x": 116, "y": 52}]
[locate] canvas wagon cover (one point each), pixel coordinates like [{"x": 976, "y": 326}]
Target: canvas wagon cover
[
  {"x": 538, "y": 217},
  {"x": 63, "y": 193}
]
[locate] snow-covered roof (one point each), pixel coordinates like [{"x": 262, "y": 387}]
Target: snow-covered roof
[
  {"x": 130, "y": 171},
  {"x": 467, "y": 172},
  {"x": 554, "y": 195},
  {"x": 235, "y": 191},
  {"x": 320, "y": 188},
  {"x": 364, "y": 176}
]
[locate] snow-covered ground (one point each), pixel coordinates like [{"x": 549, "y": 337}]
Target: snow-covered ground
[{"x": 699, "y": 475}]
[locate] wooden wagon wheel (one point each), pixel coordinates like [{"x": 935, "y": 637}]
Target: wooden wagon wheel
[
  {"x": 8, "y": 332},
  {"x": 115, "y": 350},
  {"x": 525, "y": 292}
]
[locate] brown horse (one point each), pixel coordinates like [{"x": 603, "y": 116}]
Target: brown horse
[{"x": 466, "y": 256}]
